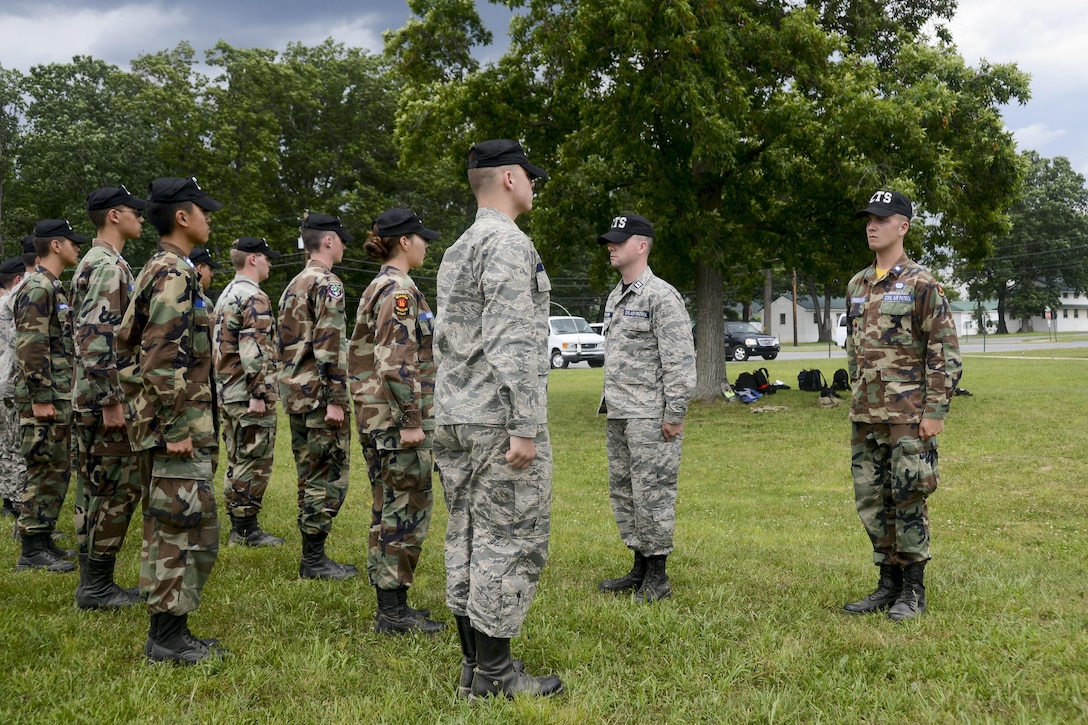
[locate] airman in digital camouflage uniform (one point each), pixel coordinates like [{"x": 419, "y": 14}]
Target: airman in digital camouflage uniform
[
  {"x": 12, "y": 464},
  {"x": 392, "y": 385},
  {"x": 649, "y": 376},
  {"x": 491, "y": 439},
  {"x": 904, "y": 362},
  {"x": 108, "y": 476},
  {"x": 164, "y": 346},
  {"x": 313, "y": 352},
  {"x": 244, "y": 353},
  {"x": 43, "y": 392}
]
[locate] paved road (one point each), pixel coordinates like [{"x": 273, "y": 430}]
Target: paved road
[{"x": 973, "y": 344}]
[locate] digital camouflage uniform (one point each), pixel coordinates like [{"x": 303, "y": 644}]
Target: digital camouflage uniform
[
  {"x": 43, "y": 349},
  {"x": 12, "y": 463},
  {"x": 164, "y": 345},
  {"x": 490, "y": 343},
  {"x": 244, "y": 353},
  {"x": 649, "y": 376},
  {"x": 107, "y": 473},
  {"x": 313, "y": 346},
  {"x": 392, "y": 386},
  {"x": 904, "y": 362}
]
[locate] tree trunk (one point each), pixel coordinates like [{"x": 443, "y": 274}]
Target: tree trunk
[
  {"x": 710, "y": 346},
  {"x": 1002, "y": 327}
]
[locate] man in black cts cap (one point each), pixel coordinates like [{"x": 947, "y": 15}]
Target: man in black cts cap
[
  {"x": 107, "y": 471},
  {"x": 649, "y": 376},
  {"x": 43, "y": 392},
  {"x": 491, "y": 432},
  {"x": 12, "y": 464},
  {"x": 313, "y": 380},
  {"x": 164, "y": 348},
  {"x": 244, "y": 359},
  {"x": 903, "y": 358}
]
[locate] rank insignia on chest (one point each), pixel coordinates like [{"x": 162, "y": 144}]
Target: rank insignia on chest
[
  {"x": 336, "y": 291},
  {"x": 400, "y": 304}
]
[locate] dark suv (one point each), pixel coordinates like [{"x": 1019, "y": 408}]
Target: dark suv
[{"x": 744, "y": 340}]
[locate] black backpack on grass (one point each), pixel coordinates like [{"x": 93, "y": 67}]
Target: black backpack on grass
[
  {"x": 841, "y": 380},
  {"x": 811, "y": 380}
]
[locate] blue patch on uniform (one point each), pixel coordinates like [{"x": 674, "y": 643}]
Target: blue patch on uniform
[
  {"x": 608, "y": 315},
  {"x": 198, "y": 303},
  {"x": 645, "y": 314},
  {"x": 539, "y": 266},
  {"x": 858, "y": 300},
  {"x": 426, "y": 315},
  {"x": 899, "y": 285},
  {"x": 61, "y": 306},
  {"x": 191, "y": 265},
  {"x": 899, "y": 298}
]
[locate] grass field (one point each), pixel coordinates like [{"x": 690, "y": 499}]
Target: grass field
[{"x": 768, "y": 549}]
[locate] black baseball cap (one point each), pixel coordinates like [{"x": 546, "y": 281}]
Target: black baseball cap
[
  {"x": 327, "y": 223},
  {"x": 53, "y": 228},
  {"x": 400, "y": 222},
  {"x": 175, "y": 190},
  {"x": 255, "y": 244},
  {"x": 200, "y": 255},
  {"x": 12, "y": 265},
  {"x": 112, "y": 196},
  {"x": 885, "y": 203},
  {"x": 502, "y": 152},
  {"x": 625, "y": 226},
  {"x": 28, "y": 244}
]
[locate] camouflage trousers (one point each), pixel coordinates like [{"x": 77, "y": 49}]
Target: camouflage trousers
[
  {"x": 894, "y": 472},
  {"x": 643, "y": 469},
  {"x": 181, "y": 531},
  {"x": 250, "y": 441},
  {"x": 400, "y": 515},
  {"x": 499, "y": 523},
  {"x": 108, "y": 486},
  {"x": 12, "y": 463},
  {"x": 47, "y": 450},
  {"x": 322, "y": 459}
]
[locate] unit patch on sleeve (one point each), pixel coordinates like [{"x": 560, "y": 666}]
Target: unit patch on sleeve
[{"x": 400, "y": 304}]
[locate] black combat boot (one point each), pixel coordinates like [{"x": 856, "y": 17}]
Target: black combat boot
[
  {"x": 51, "y": 542},
  {"x": 37, "y": 553},
  {"x": 315, "y": 565},
  {"x": 97, "y": 589},
  {"x": 630, "y": 580},
  {"x": 912, "y": 600},
  {"x": 656, "y": 584},
  {"x": 467, "y": 635},
  {"x": 886, "y": 592},
  {"x": 496, "y": 674},
  {"x": 171, "y": 641},
  {"x": 245, "y": 530},
  {"x": 394, "y": 616}
]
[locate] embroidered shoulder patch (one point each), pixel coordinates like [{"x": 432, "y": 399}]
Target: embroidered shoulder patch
[
  {"x": 400, "y": 304},
  {"x": 336, "y": 291}
]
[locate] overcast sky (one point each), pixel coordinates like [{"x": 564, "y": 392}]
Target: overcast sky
[{"x": 1046, "y": 38}]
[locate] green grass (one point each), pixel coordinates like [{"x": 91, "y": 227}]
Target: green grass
[{"x": 768, "y": 549}]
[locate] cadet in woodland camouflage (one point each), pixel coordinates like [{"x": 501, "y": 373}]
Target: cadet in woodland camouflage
[
  {"x": 43, "y": 348},
  {"x": 12, "y": 463},
  {"x": 245, "y": 356},
  {"x": 649, "y": 376},
  {"x": 313, "y": 357},
  {"x": 904, "y": 363},
  {"x": 392, "y": 386}
]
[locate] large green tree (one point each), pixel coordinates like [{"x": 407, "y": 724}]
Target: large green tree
[
  {"x": 11, "y": 110},
  {"x": 1046, "y": 249},
  {"x": 748, "y": 131}
]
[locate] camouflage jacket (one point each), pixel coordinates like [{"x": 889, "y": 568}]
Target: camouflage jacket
[
  {"x": 390, "y": 357},
  {"x": 101, "y": 287},
  {"x": 491, "y": 337},
  {"x": 7, "y": 344},
  {"x": 313, "y": 342},
  {"x": 649, "y": 362},
  {"x": 244, "y": 350},
  {"x": 164, "y": 353},
  {"x": 43, "y": 343},
  {"x": 901, "y": 347}
]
